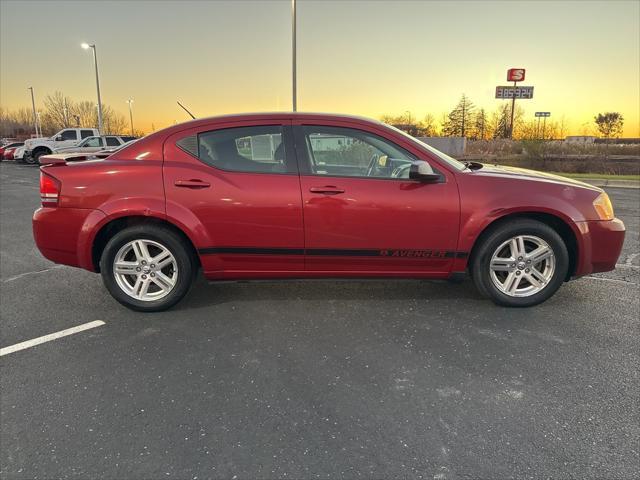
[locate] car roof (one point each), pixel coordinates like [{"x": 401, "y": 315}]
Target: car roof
[{"x": 270, "y": 116}]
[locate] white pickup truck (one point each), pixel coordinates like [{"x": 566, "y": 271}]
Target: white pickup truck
[{"x": 34, "y": 148}]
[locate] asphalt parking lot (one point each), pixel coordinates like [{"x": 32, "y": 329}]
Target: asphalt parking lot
[{"x": 315, "y": 379}]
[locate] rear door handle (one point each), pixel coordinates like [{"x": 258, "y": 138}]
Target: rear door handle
[
  {"x": 193, "y": 183},
  {"x": 327, "y": 190}
]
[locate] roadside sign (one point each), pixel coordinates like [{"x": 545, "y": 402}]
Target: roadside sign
[
  {"x": 515, "y": 75},
  {"x": 507, "y": 92},
  {"x": 543, "y": 114}
]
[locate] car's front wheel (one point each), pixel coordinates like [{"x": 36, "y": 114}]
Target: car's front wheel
[
  {"x": 147, "y": 268},
  {"x": 520, "y": 263}
]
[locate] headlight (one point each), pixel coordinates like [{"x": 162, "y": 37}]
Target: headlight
[{"x": 603, "y": 207}]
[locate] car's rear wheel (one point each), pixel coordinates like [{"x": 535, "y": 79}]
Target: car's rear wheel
[
  {"x": 520, "y": 263},
  {"x": 147, "y": 268}
]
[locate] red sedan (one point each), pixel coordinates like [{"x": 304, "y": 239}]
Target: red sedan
[{"x": 291, "y": 195}]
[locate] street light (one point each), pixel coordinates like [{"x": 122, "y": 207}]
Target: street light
[
  {"x": 35, "y": 116},
  {"x": 294, "y": 66},
  {"x": 87, "y": 46},
  {"x": 130, "y": 101}
]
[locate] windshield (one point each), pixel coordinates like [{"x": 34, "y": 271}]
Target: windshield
[{"x": 442, "y": 156}]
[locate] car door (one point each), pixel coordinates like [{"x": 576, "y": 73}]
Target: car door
[
  {"x": 361, "y": 211},
  {"x": 92, "y": 144},
  {"x": 239, "y": 182},
  {"x": 66, "y": 138}
]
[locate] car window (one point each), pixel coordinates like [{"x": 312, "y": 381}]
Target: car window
[
  {"x": 258, "y": 149},
  {"x": 112, "y": 142},
  {"x": 68, "y": 135},
  {"x": 350, "y": 152},
  {"x": 86, "y": 133},
  {"x": 92, "y": 142}
]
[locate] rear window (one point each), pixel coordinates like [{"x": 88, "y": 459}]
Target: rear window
[
  {"x": 85, "y": 133},
  {"x": 258, "y": 149},
  {"x": 113, "y": 142}
]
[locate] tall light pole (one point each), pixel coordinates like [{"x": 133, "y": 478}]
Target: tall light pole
[
  {"x": 87, "y": 46},
  {"x": 130, "y": 101},
  {"x": 35, "y": 116},
  {"x": 66, "y": 113},
  {"x": 293, "y": 52}
]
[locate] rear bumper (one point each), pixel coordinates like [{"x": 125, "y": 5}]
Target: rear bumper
[
  {"x": 600, "y": 246},
  {"x": 65, "y": 235}
]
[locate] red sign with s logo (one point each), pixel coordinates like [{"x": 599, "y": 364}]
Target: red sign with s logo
[{"x": 515, "y": 75}]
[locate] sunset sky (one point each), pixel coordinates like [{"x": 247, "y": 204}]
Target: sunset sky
[{"x": 359, "y": 57}]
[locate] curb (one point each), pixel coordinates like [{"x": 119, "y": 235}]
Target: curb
[{"x": 613, "y": 183}]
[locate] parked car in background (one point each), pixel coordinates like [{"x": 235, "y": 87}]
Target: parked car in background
[
  {"x": 36, "y": 147},
  {"x": 6, "y": 141},
  {"x": 292, "y": 195},
  {"x": 96, "y": 143},
  {"x": 18, "y": 154},
  {"x": 9, "y": 146}
]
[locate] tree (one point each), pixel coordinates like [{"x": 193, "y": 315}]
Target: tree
[
  {"x": 609, "y": 124},
  {"x": 458, "y": 121},
  {"x": 57, "y": 110},
  {"x": 480, "y": 125},
  {"x": 499, "y": 123},
  {"x": 428, "y": 126},
  {"x": 408, "y": 123}
]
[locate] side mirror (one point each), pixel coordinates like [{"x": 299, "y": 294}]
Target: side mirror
[
  {"x": 423, "y": 172},
  {"x": 58, "y": 138}
]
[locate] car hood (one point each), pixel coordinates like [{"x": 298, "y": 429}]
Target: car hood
[
  {"x": 534, "y": 175},
  {"x": 31, "y": 141}
]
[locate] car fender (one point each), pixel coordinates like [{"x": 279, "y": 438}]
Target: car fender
[
  {"x": 153, "y": 208},
  {"x": 479, "y": 212}
]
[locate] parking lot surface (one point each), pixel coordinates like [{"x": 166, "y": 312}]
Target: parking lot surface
[{"x": 315, "y": 379}]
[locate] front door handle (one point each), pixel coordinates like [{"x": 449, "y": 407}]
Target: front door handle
[
  {"x": 193, "y": 183},
  {"x": 327, "y": 190}
]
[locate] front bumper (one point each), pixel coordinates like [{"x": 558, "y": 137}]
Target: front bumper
[{"x": 599, "y": 246}]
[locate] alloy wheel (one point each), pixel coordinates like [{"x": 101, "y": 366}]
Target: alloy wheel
[
  {"x": 145, "y": 270},
  {"x": 522, "y": 266}
]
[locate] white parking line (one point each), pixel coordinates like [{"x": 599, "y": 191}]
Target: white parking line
[{"x": 47, "y": 338}]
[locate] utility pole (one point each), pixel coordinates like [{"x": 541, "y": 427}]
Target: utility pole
[
  {"x": 35, "y": 115},
  {"x": 293, "y": 51},
  {"x": 130, "y": 101}
]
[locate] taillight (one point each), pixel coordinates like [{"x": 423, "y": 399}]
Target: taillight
[{"x": 49, "y": 190}]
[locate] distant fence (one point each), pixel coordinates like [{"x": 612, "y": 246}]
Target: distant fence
[{"x": 454, "y": 146}]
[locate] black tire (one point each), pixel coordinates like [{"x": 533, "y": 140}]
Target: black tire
[
  {"x": 35, "y": 157},
  {"x": 187, "y": 266},
  {"x": 480, "y": 267}
]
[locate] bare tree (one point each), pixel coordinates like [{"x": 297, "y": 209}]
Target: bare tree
[{"x": 428, "y": 126}]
